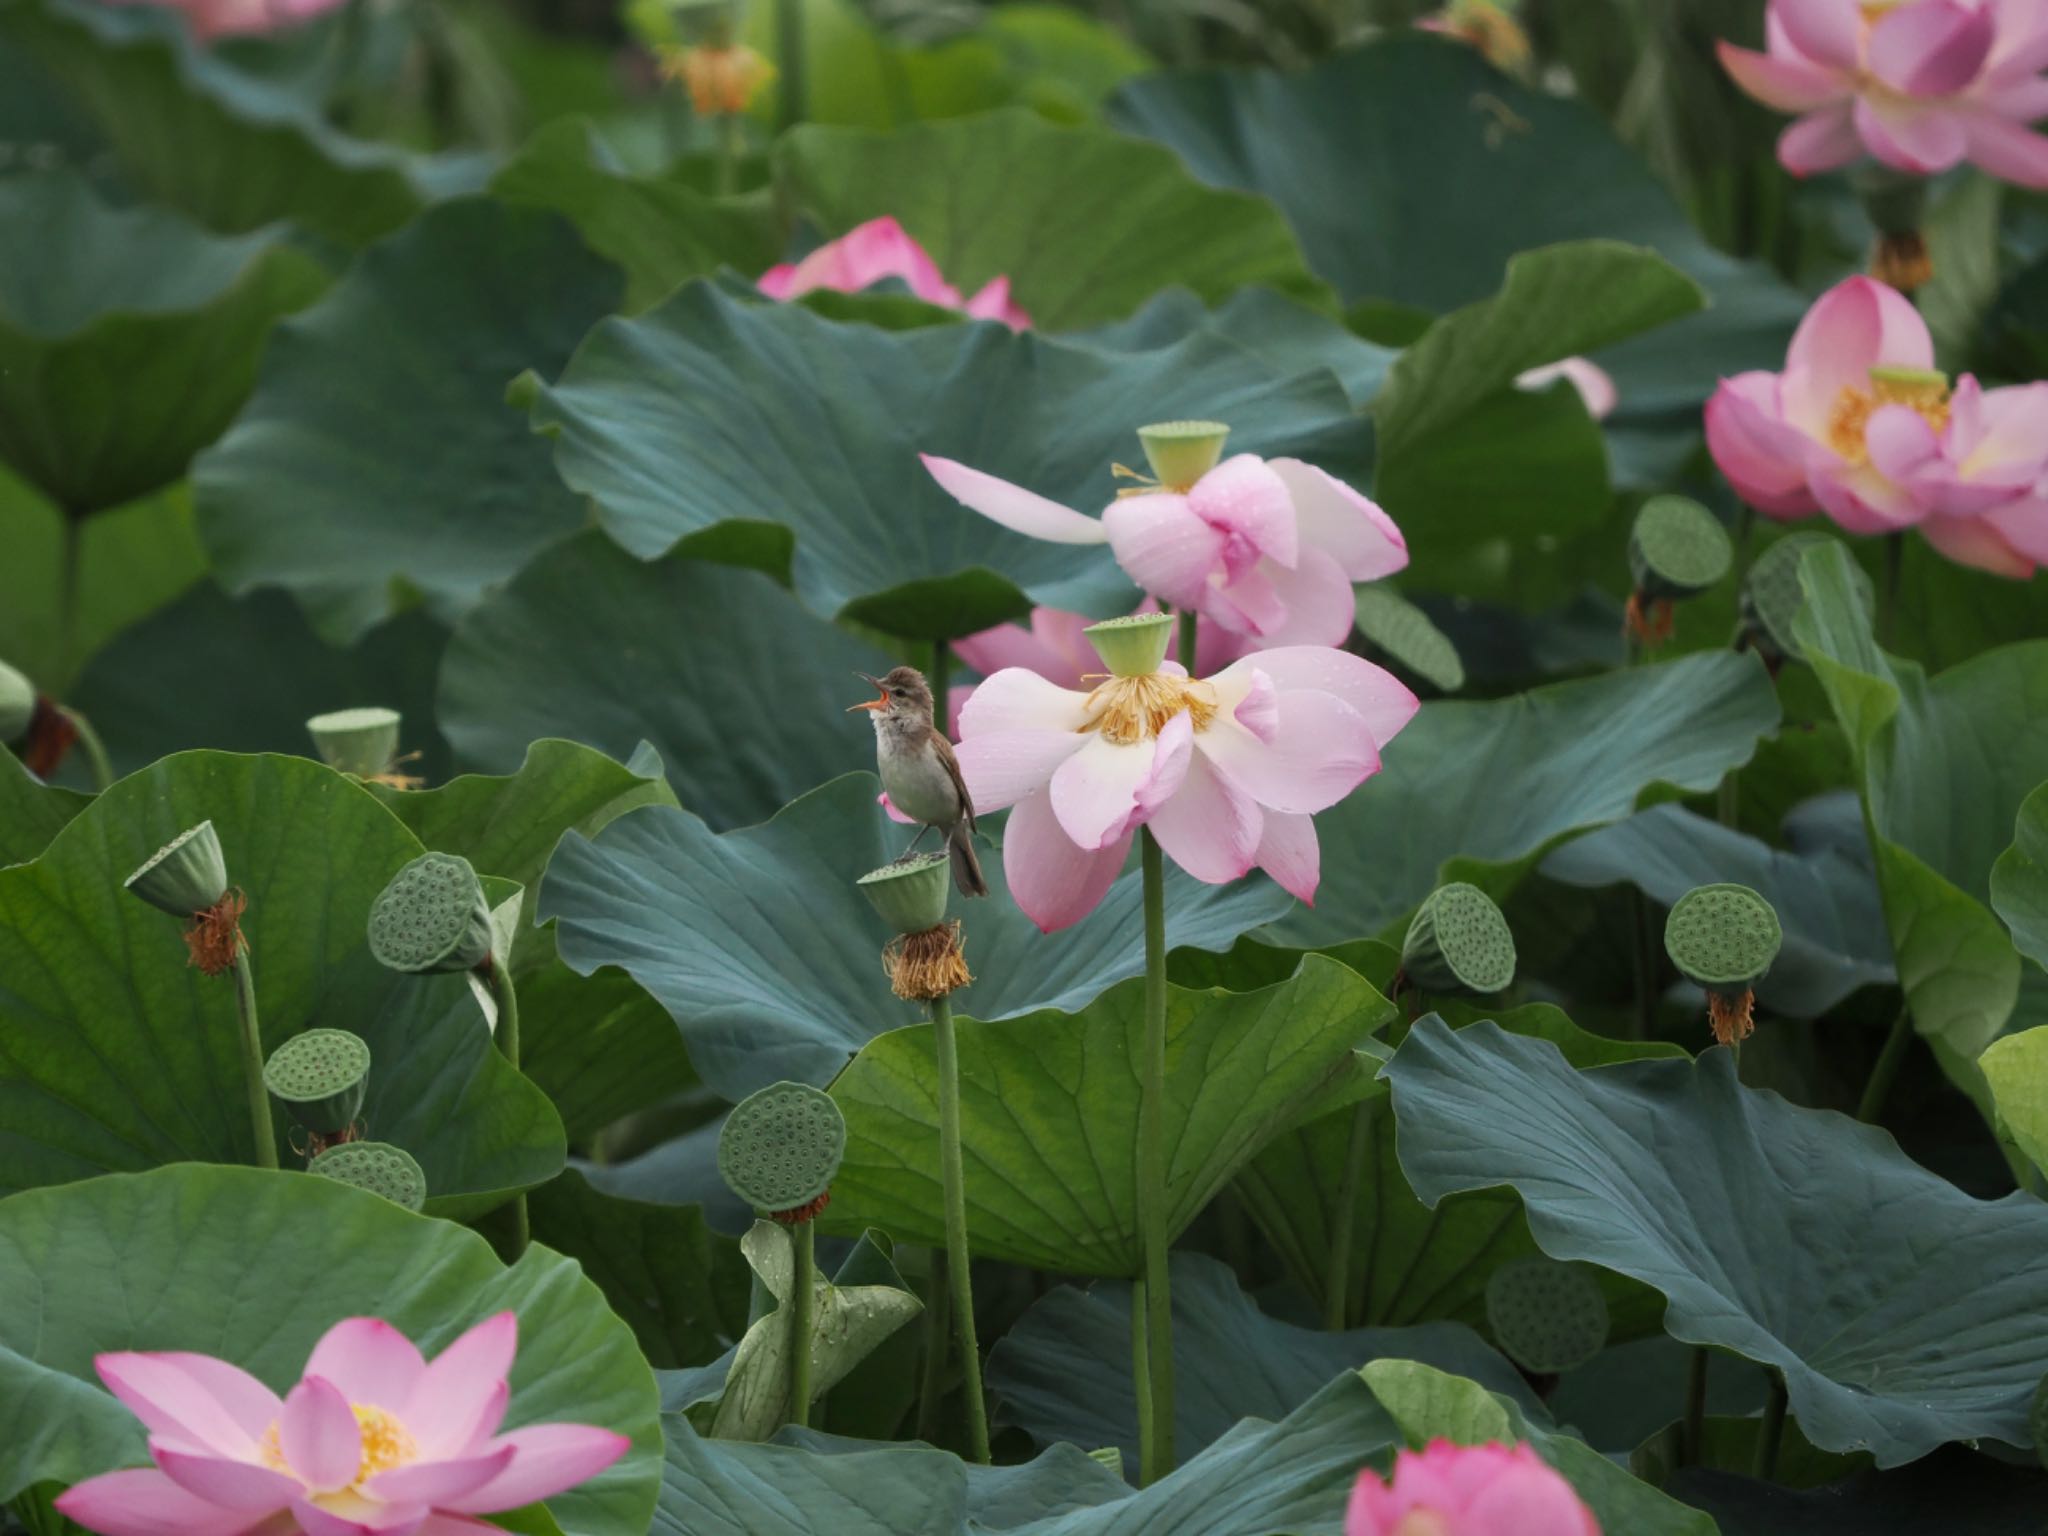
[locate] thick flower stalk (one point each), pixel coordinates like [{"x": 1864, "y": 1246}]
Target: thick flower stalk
[
  {"x": 1860, "y": 426},
  {"x": 1468, "y": 1490},
  {"x": 373, "y": 1441},
  {"x": 1922, "y": 86},
  {"x": 1266, "y": 549},
  {"x": 879, "y": 250}
]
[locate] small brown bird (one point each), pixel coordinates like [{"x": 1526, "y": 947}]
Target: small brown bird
[{"x": 919, "y": 772}]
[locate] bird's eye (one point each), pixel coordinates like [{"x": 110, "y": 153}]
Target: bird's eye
[{"x": 897, "y": 693}]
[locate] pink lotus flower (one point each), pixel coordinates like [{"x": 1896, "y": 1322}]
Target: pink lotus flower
[
  {"x": 226, "y": 18},
  {"x": 1923, "y": 85},
  {"x": 1227, "y": 772},
  {"x": 373, "y": 1441},
  {"x": 1266, "y": 550},
  {"x": 1594, "y": 383},
  {"x": 1468, "y": 1490},
  {"x": 882, "y": 248},
  {"x": 1860, "y": 426}
]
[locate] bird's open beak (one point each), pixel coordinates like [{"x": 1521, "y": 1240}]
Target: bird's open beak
[{"x": 875, "y": 704}]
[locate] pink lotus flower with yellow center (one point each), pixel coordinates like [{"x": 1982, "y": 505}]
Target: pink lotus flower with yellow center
[
  {"x": 1922, "y": 85},
  {"x": 1859, "y": 425},
  {"x": 1227, "y": 771},
  {"x": 1265, "y": 549},
  {"x": 880, "y": 249},
  {"x": 373, "y": 1441},
  {"x": 1468, "y": 1490},
  {"x": 232, "y": 18}
]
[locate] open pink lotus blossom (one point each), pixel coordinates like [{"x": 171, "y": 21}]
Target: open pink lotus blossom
[
  {"x": 1266, "y": 549},
  {"x": 1468, "y": 1490},
  {"x": 1922, "y": 85},
  {"x": 1861, "y": 427},
  {"x": 373, "y": 1441},
  {"x": 1594, "y": 383},
  {"x": 226, "y": 18},
  {"x": 882, "y": 248},
  {"x": 1227, "y": 772}
]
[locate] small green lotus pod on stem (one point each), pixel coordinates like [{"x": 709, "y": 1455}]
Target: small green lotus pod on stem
[
  {"x": 362, "y": 742},
  {"x": 377, "y": 1166},
  {"x": 1132, "y": 646},
  {"x": 1772, "y": 597},
  {"x": 1677, "y": 549},
  {"x": 1181, "y": 452},
  {"x": 17, "y": 704},
  {"x": 320, "y": 1077},
  {"x": 1548, "y": 1317},
  {"x": 1723, "y": 938},
  {"x": 1458, "y": 942},
  {"x": 779, "y": 1151},
  {"x": 188, "y": 878},
  {"x": 432, "y": 917}
]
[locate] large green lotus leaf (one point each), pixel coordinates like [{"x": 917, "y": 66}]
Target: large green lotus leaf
[
  {"x": 2015, "y": 1068},
  {"x": 659, "y": 229},
  {"x": 2019, "y": 880},
  {"x": 1796, "y": 1237},
  {"x": 244, "y": 675},
  {"x": 1479, "y": 791},
  {"x": 128, "y": 337},
  {"x": 1826, "y": 898},
  {"x": 1954, "y": 1491},
  {"x": 739, "y": 688},
  {"x": 1063, "y": 1371},
  {"x": 1410, "y": 1263},
  {"x": 1049, "y": 1111},
  {"x": 660, "y": 421},
  {"x": 120, "y": 1056},
  {"x": 1943, "y": 764},
  {"x": 769, "y": 958},
  {"x": 1413, "y": 172},
  {"x": 599, "y": 1046},
  {"x": 681, "y": 1287},
  {"x": 231, "y": 148},
  {"x": 254, "y": 1267},
  {"x": 31, "y": 812},
  {"x": 1288, "y": 333},
  {"x": 1086, "y": 224},
  {"x": 377, "y": 462}
]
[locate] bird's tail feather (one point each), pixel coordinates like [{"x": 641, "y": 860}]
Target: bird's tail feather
[{"x": 966, "y": 864}]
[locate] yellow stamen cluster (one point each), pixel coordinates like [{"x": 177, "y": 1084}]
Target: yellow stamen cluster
[
  {"x": 1492, "y": 30},
  {"x": 1129, "y": 709},
  {"x": 722, "y": 82},
  {"x": 1925, "y": 394},
  {"x": 387, "y": 1445}
]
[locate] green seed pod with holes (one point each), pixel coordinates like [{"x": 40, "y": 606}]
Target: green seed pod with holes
[
  {"x": 1772, "y": 596},
  {"x": 1546, "y": 1316},
  {"x": 1181, "y": 452},
  {"x": 780, "y": 1148},
  {"x": 1132, "y": 646},
  {"x": 377, "y": 1166},
  {"x": 432, "y": 917},
  {"x": 358, "y": 741},
  {"x": 1677, "y": 548},
  {"x": 17, "y": 704},
  {"x": 187, "y": 875},
  {"x": 1459, "y": 942},
  {"x": 911, "y": 896},
  {"x": 320, "y": 1077},
  {"x": 1722, "y": 937}
]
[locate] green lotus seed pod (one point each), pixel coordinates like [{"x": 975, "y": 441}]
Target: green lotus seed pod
[
  {"x": 1546, "y": 1316},
  {"x": 1677, "y": 548},
  {"x": 2037, "y": 1421},
  {"x": 1459, "y": 942},
  {"x": 17, "y": 704},
  {"x": 1134, "y": 645},
  {"x": 1110, "y": 1456},
  {"x": 1772, "y": 596},
  {"x": 186, "y": 875},
  {"x": 320, "y": 1077},
  {"x": 358, "y": 741},
  {"x": 1722, "y": 937},
  {"x": 432, "y": 917},
  {"x": 911, "y": 896},
  {"x": 781, "y": 1147},
  {"x": 1181, "y": 452},
  {"x": 377, "y": 1166}
]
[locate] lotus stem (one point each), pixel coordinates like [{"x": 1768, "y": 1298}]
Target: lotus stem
[
  {"x": 789, "y": 42},
  {"x": 942, "y": 683},
  {"x": 1189, "y": 622},
  {"x": 1154, "y": 1370},
  {"x": 728, "y": 152},
  {"x": 95, "y": 750},
  {"x": 1337, "y": 1284},
  {"x": 803, "y": 1278},
  {"x": 252, "y": 1061},
  {"x": 957, "y": 1257},
  {"x": 1886, "y": 1068},
  {"x": 1771, "y": 1433},
  {"x": 1693, "y": 1437},
  {"x": 1888, "y": 596},
  {"x": 70, "y": 571},
  {"x": 506, "y": 996},
  {"x": 932, "y": 1388}
]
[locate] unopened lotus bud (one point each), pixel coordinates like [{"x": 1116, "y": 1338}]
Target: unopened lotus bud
[
  {"x": 780, "y": 1149},
  {"x": 1547, "y": 1317},
  {"x": 1459, "y": 942},
  {"x": 358, "y": 741},
  {"x": 320, "y": 1077},
  {"x": 185, "y": 877},
  {"x": 432, "y": 917},
  {"x": 911, "y": 896},
  {"x": 1132, "y": 646},
  {"x": 1181, "y": 452},
  {"x": 1677, "y": 549},
  {"x": 377, "y": 1166},
  {"x": 1723, "y": 938},
  {"x": 17, "y": 704},
  {"x": 1772, "y": 596}
]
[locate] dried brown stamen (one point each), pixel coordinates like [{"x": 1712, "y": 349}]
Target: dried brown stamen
[
  {"x": 805, "y": 1212},
  {"x": 928, "y": 965},
  {"x": 214, "y": 936},
  {"x": 1902, "y": 261},
  {"x": 51, "y": 731},
  {"x": 1732, "y": 1014},
  {"x": 1649, "y": 624}
]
